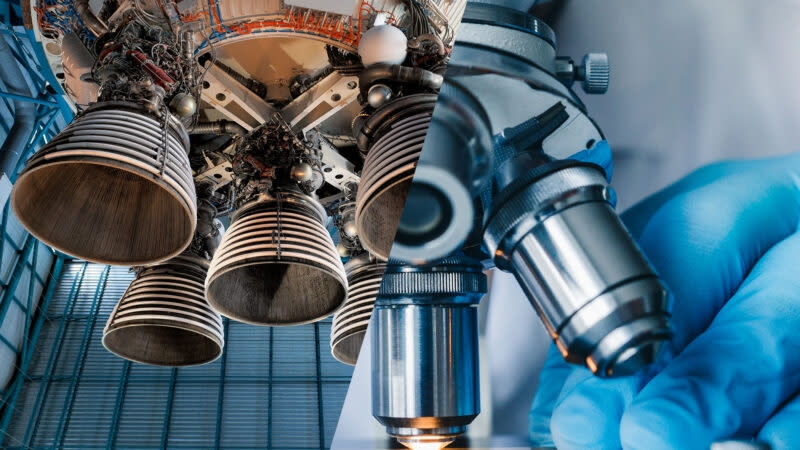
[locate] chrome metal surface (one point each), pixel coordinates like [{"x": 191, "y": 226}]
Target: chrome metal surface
[
  {"x": 277, "y": 264},
  {"x": 114, "y": 187},
  {"x": 424, "y": 336},
  {"x": 589, "y": 282},
  {"x": 491, "y": 13},
  {"x": 378, "y": 95},
  {"x": 547, "y": 220},
  {"x": 163, "y": 318}
]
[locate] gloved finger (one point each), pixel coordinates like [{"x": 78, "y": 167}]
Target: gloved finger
[
  {"x": 736, "y": 374},
  {"x": 595, "y": 406},
  {"x": 637, "y": 216},
  {"x": 560, "y": 405},
  {"x": 589, "y": 415},
  {"x": 556, "y": 380},
  {"x": 702, "y": 242},
  {"x": 599, "y": 154},
  {"x": 780, "y": 431}
]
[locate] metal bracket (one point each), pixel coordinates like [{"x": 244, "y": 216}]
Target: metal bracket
[
  {"x": 323, "y": 100},
  {"x": 336, "y": 169},
  {"x": 234, "y": 100}
]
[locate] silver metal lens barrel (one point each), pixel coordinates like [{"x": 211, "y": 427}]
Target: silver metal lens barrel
[
  {"x": 424, "y": 359},
  {"x": 596, "y": 293}
]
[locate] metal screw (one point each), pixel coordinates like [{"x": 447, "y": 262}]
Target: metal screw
[
  {"x": 595, "y": 73},
  {"x": 565, "y": 70}
]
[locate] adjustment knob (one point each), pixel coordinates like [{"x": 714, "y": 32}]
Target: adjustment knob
[{"x": 594, "y": 72}]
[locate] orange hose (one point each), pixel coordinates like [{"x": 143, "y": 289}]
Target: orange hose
[
  {"x": 302, "y": 21},
  {"x": 212, "y": 6}
]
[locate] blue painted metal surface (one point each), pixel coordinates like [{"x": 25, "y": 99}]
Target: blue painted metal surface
[
  {"x": 123, "y": 384},
  {"x": 13, "y": 391},
  {"x": 25, "y": 264},
  {"x": 69, "y": 401}
]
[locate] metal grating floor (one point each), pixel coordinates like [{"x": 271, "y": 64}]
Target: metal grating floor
[{"x": 274, "y": 388}]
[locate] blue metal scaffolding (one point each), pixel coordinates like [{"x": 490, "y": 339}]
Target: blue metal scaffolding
[
  {"x": 272, "y": 388},
  {"x": 29, "y": 270}
]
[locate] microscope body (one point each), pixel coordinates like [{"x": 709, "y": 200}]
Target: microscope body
[{"x": 498, "y": 165}]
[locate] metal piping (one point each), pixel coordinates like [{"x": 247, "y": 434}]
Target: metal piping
[
  {"x": 206, "y": 212},
  {"x": 218, "y": 127},
  {"x": 24, "y": 111},
  {"x": 92, "y": 22},
  {"x": 430, "y": 37},
  {"x": 400, "y": 74}
]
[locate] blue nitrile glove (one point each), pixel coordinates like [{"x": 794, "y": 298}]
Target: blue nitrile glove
[{"x": 725, "y": 241}]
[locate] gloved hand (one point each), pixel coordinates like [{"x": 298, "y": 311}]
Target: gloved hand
[{"x": 725, "y": 241}]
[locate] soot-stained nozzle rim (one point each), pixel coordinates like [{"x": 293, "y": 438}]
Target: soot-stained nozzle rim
[{"x": 277, "y": 264}]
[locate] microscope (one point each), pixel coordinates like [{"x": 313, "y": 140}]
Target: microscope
[{"x": 497, "y": 185}]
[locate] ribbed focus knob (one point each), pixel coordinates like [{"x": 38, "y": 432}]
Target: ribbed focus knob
[
  {"x": 452, "y": 276},
  {"x": 596, "y": 73}
]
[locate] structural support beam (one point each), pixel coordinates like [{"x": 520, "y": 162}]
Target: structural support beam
[
  {"x": 168, "y": 410},
  {"x": 48, "y": 371},
  {"x": 16, "y": 276},
  {"x": 123, "y": 386},
  {"x": 269, "y": 389},
  {"x": 234, "y": 100},
  {"x": 337, "y": 170},
  {"x": 221, "y": 391},
  {"x": 25, "y": 358},
  {"x": 38, "y": 101},
  {"x": 323, "y": 100},
  {"x": 69, "y": 400},
  {"x": 321, "y": 416}
]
